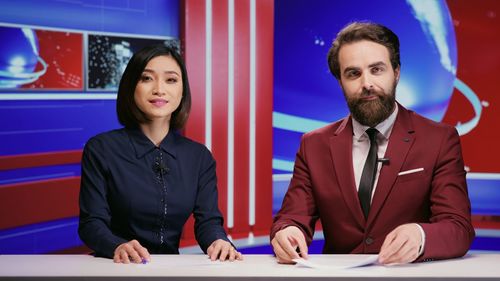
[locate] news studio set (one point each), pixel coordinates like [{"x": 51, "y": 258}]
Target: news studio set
[{"x": 259, "y": 81}]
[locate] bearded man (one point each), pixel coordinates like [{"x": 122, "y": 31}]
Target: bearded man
[{"x": 383, "y": 180}]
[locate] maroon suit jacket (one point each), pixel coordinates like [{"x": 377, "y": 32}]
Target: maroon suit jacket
[{"x": 323, "y": 187}]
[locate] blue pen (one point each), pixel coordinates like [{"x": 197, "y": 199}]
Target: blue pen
[{"x": 144, "y": 261}]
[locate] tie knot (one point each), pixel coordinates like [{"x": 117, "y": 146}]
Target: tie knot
[{"x": 372, "y": 134}]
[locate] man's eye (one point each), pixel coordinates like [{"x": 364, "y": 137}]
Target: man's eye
[{"x": 352, "y": 74}]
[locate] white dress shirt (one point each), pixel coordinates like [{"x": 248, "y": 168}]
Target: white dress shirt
[{"x": 361, "y": 145}]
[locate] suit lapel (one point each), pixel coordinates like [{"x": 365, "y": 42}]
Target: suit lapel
[
  {"x": 341, "y": 153},
  {"x": 400, "y": 142}
]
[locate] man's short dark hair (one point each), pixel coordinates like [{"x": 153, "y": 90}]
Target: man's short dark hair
[
  {"x": 358, "y": 31},
  {"x": 129, "y": 115}
]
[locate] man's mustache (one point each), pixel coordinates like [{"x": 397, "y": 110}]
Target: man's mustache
[{"x": 367, "y": 92}]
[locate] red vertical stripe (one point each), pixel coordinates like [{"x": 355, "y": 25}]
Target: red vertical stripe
[
  {"x": 193, "y": 39},
  {"x": 264, "y": 89},
  {"x": 242, "y": 114},
  {"x": 219, "y": 96}
]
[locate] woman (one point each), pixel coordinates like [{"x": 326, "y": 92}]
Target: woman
[{"x": 141, "y": 183}]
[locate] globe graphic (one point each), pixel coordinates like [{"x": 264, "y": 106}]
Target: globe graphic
[{"x": 18, "y": 56}]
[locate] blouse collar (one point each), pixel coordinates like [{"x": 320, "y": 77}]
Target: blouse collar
[{"x": 143, "y": 145}]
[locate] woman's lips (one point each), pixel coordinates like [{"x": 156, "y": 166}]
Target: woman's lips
[{"x": 158, "y": 102}]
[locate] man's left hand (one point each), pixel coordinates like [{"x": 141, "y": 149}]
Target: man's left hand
[
  {"x": 222, "y": 250},
  {"x": 401, "y": 245}
]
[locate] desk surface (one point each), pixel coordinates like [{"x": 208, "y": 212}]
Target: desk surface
[{"x": 253, "y": 267}]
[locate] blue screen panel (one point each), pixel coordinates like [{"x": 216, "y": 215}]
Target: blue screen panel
[{"x": 146, "y": 17}]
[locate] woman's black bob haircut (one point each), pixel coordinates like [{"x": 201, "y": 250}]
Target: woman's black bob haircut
[{"x": 129, "y": 115}]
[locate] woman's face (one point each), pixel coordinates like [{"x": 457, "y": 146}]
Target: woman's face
[{"x": 159, "y": 90}]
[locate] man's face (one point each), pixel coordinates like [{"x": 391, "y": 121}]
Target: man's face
[{"x": 368, "y": 81}]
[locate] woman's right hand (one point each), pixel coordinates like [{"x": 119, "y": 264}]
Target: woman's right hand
[{"x": 132, "y": 251}]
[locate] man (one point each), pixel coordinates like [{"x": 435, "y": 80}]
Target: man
[{"x": 382, "y": 180}]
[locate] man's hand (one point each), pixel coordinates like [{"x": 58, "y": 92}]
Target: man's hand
[
  {"x": 285, "y": 244},
  {"x": 131, "y": 251},
  {"x": 222, "y": 250},
  {"x": 401, "y": 245}
]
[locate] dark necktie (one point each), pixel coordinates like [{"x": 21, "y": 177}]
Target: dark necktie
[{"x": 369, "y": 172}]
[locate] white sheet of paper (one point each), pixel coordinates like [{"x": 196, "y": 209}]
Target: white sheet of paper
[{"x": 338, "y": 263}]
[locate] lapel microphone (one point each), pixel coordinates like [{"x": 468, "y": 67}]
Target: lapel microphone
[
  {"x": 384, "y": 161},
  {"x": 160, "y": 168}
]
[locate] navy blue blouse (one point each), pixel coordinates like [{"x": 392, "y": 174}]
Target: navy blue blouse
[{"x": 132, "y": 189}]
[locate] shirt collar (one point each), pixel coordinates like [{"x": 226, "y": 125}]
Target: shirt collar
[
  {"x": 143, "y": 145},
  {"x": 384, "y": 127}
]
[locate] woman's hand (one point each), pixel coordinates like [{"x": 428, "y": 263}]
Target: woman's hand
[
  {"x": 223, "y": 250},
  {"x": 132, "y": 251}
]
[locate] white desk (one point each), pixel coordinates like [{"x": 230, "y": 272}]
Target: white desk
[{"x": 254, "y": 267}]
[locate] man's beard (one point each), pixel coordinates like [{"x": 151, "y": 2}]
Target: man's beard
[{"x": 370, "y": 113}]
